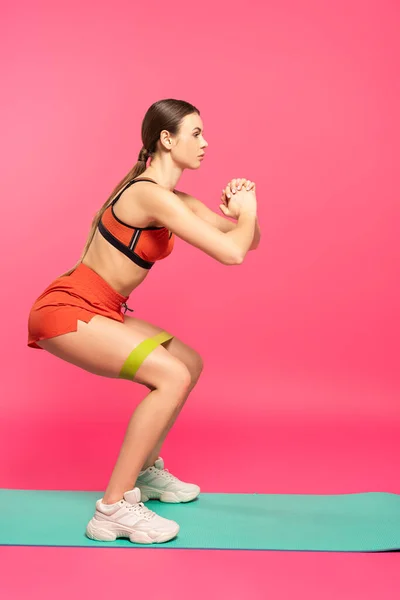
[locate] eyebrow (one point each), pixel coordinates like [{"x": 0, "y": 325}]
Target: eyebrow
[{"x": 196, "y": 128}]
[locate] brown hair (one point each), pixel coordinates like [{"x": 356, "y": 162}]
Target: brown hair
[{"x": 164, "y": 114}]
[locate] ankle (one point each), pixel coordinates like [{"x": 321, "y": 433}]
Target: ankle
[
  {"x": 149, "y": 463},
  {"x": 107, "y": 500}
]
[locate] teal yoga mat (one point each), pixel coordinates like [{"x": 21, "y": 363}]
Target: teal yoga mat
[{"x": 366, "y": 522}]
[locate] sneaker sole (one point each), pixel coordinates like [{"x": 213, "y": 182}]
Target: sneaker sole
[
  {"x": 148, "y": 493},
  {"x": 109, "y": 532}
]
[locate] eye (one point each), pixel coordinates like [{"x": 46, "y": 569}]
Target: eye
[{"x": 196, "y": 134}]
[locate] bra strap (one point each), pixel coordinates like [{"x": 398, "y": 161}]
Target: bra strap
[{"x": 131, "y": 182}]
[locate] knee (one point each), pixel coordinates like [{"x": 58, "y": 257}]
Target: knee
[
  {"x": 196, "y": 368},
  {"x": 178, "y": 378}
]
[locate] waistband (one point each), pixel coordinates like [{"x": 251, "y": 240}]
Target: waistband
[{"x": 95, "y": 284}]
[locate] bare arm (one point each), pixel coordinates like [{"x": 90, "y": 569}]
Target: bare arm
[
  {"x": 169, "y": 210},
  {"x": 218, "y": 221}
]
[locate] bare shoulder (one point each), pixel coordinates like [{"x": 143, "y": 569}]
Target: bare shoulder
[
  {"x": 189, "y": 200},
  {"x": 132, "y": 206},
  {"x": 141, "y": 205}
]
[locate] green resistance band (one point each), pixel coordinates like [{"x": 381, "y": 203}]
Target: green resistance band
[{"x": 138, "y": 355}]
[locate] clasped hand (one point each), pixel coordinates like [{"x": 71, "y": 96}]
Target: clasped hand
[{"x": 230, "y": 207}]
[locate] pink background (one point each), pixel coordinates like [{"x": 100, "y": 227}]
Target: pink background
[{"x": 300, "y": 391}]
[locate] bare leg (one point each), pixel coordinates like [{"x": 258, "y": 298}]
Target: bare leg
[
  {"x": 151, "y": 459},
  {"x": 186, "y": 355},
  {"x": 145, "y": 427},
  {"x": 101, "y": 347}
]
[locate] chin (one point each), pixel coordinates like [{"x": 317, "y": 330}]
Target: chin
[{"x": 193, "y": 166}]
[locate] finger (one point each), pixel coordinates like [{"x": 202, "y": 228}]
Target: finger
[
  {"x": 242, "y": 183},
  {"x": 235, "y": 183},
  {"x": 249, "y": 185},
  {"x": 228, "y": 191}
]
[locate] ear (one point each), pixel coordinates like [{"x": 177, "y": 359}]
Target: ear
[{"x": 165, "y": 139}]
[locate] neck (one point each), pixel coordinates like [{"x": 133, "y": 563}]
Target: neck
[{"x": 164, "y": 172}]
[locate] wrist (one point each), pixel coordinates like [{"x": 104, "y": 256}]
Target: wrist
[{"x": 248, "y": 213}]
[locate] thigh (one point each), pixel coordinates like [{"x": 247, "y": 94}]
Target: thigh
[
  {"x": 102, "y": 346},
  {"x": 189, "y": 356}
]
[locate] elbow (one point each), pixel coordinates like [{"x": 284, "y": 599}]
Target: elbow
[
  {"x": 238, "y": 259},
  {"x": 233, "y": 259},
  {"x": 230, "y": 254}
]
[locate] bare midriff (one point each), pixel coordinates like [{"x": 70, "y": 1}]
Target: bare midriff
[{"x": 115, "y": 268}]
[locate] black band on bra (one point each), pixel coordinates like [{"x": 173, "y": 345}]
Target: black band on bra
[{"x": 122, "y": 248}]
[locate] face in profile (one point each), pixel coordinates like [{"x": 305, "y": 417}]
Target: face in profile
[{"x": 189, "y": 144}]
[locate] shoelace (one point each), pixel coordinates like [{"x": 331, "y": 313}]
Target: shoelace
[
  {"x": 140, "y": 509},
  {"x": 164, "y": 473}
]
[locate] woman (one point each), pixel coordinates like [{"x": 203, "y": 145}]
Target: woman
[{"x": 78, "y": 317}]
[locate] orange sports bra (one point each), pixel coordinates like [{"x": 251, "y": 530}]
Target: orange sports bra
[{"x": 143, "y": 245}]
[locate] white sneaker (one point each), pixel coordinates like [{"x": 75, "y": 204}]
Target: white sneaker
[
  {"x": 157, "y": 483},
  {"x": 129, "y": 518}
]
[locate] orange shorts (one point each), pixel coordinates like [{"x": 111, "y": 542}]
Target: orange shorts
[{"x": 81, "y": 295}]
